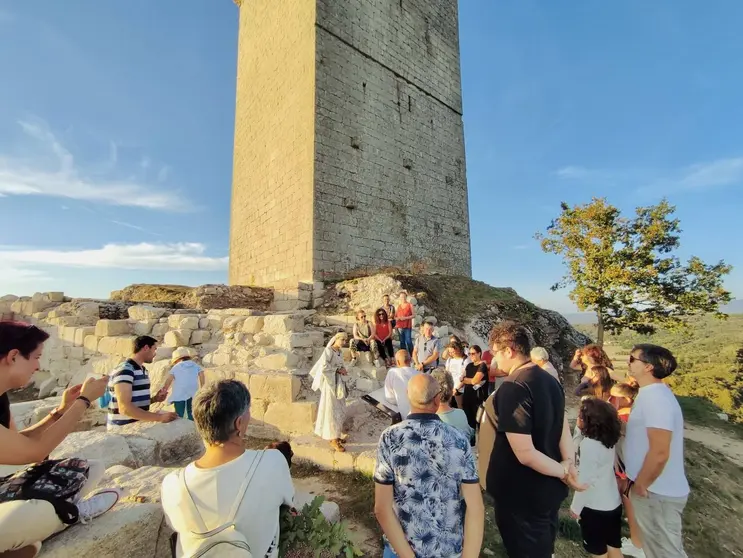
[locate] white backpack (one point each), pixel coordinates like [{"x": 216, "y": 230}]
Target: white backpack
[{"x": 224, "y": 541}]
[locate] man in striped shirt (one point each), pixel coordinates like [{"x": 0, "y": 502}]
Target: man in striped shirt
[{"x": 129, "y": 387}]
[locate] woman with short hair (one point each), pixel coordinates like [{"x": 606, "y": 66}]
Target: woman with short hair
[
  {"x": 227, "y": 479},
  {"x": 454, "y": 417},
  {"x": 57, "y": 486}
]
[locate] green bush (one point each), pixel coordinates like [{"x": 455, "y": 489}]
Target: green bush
[{"x": 308, "y": 534}]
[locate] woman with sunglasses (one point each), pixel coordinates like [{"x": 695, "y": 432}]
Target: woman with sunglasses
[
  {"x": 383, "y": 337},
  {"x": 475, "y": 385}
]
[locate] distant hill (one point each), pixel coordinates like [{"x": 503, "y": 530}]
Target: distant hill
[{"x": 588, "y": 318}]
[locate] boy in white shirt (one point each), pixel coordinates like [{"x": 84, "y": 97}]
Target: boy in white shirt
[
  {"x": 654, "y": 454},
  {"x": 396, "y": 382},
  {"x": 186, "y": 377}
]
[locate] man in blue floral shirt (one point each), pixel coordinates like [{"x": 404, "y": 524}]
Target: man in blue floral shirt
[{"x": 427, "y": 493}]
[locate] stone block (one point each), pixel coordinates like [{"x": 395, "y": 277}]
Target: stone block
[
  {"x": 67, "y": 333},
  {"x": 233, "y": 323},
  {"x": 45, "y": 390},
  {"x": 177, "y": 441},
  {"x": 330, "y": 510},
  {"x": 129, "y": 529},
  {"x": 293, "y": 340},
  {"x": 189, "y": 322},
  {"x": 159, "y": 330},
  {"x": 288, "y": 305},
  {"x": 55, "y": 296},
  {"x": 81, "y": 333},
  {"x": 73, "y": 352},
  {"x": 125, "y": 345},
  {"x": 200, "y": 336},
  {"x": 293, "y": 418},
  {"x": 253, "y": 324},
  {"x": 107, "y": 345},
  {"x": 144, "y": 483},
  {"x": 282, "y": 388},
  {"x": 366, "y": 384},
  {"x": 177, "y": 338},
  {"x": 144, "y": 450},
  {"x": 112, "y": 473},
  {"x": 103, "y": 366},
  {"x": 88, "y": 310},
  {"x": 174, "y": 320},
  {"x": 282, "y": 324},
  {"x": 144, "y": 327},
  {"x": 277, "y": 361},
  {"x": 203, "y": 323},
  {"x": 111, "y": 328},
  {"x": 262, "y": 339},
  {"x": 110, "y": 448},
  {"x": 90, "y": 343},
  {"x": 141, "y": 312},
  {"x": 366, "y": 462},
  {"x": 164, "y": 352}
]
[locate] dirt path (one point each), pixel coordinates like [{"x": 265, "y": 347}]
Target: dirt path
[{"x": 726, "y": 445}]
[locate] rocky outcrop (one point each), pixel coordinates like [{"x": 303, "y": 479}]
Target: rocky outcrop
[{"x": 205, "y": 297}]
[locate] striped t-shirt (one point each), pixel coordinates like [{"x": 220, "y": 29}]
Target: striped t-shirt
[{"x": 131, "y": 373}]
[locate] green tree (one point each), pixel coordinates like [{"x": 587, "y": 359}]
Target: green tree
[{"x": 625, "y": 271}]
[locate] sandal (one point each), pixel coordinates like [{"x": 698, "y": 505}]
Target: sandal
[{"x": 337, "y": 446}]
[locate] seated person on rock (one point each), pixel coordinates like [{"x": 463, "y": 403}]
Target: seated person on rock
[
  {"x": 129, "y": 388},
  {"x": 39, "y": 500},
  {"x": 186, "y": 378},
  {"x": 363, "y": 339},
  {"x": 228, "y": 479}
]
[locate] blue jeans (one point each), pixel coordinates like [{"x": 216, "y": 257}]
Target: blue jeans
[
  {"x": 388, "y": 552},
  {"x": 406, "y": 339}
]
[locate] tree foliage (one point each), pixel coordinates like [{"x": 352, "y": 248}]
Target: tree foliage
[{"x": 625, "y": 269}]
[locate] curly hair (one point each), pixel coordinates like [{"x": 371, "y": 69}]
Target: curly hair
[
  {"x": 509, "y": 334},
  {"x": 597, "y": 355},
  {"x": 600, "y": 421},
  {"x": 381, "y": 316}
]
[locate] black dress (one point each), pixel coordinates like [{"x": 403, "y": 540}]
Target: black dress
[{"x": 471, "y": 397}]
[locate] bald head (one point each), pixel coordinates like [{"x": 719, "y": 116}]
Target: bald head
[
  {"x": 402, "y": 358},
  {"x": 422, "y": 393}
]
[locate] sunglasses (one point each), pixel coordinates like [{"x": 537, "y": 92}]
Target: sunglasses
[{"x": 634, "y": 358}]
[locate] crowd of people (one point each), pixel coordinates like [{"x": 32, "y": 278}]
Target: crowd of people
[{"x": 624, "y": 456}]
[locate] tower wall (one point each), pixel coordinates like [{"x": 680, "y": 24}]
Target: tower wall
[
  {"x": 273, "y": 169},
  {"x": 349, "y": 135}
]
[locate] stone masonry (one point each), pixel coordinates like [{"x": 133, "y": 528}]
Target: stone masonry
[{"x": 349, "y": 147}]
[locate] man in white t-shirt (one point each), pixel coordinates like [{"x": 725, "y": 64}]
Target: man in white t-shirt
[
  {"x": 654, "y": 454},
  {"x": 396, "y": 382},
  {"x": 222, "y": 413}
]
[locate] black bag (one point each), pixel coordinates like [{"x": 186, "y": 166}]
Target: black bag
[{"x": 56, "y": 481}]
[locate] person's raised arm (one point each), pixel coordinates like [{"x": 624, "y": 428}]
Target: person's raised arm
[
  {"x": 17, "y": 449},
  {"x": 68, "y": 398},
  {"x": 575, "y": 364}
]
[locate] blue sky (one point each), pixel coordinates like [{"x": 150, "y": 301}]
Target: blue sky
[{"x": 116, "y": 123}]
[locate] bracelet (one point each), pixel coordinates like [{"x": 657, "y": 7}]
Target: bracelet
[{"x": 84, "y": 400}]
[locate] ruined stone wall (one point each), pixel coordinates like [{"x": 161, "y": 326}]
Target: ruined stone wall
[
  {"x": 271, "y": 227},
  {"x": 390, "y": 184}
]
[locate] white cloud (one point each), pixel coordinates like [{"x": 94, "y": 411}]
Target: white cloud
[
  {"x": 23, "y": 177},
  {"x": 182, "y": 256},
  {"x": 696, "y": 177},
  {"x": 17, "y": 275}
]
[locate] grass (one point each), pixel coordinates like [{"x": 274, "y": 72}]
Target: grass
[{"x": 456, "y": 299}]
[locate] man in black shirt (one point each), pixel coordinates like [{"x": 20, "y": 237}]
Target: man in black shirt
[{"x": 531, "y": 465}]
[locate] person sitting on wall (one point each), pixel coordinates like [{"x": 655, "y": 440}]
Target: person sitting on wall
[
  {"x": 129, "y": 388},
  {"x": 39, "y": 500},
  {"x": 383, "y": 337},
  {"x": 363, "y": 339}
]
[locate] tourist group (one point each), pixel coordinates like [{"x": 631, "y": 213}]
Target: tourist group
[{"x": 493, "y": 420}]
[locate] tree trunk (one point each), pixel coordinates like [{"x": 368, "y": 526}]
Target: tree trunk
[{"x": 600, "y": 334}]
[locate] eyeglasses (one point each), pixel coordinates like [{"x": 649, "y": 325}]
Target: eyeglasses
[
  {"x": 474, "y": 353},
  {"x": 633, "y": 358}
]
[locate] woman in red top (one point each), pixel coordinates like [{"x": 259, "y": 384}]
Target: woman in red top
[{"x": 383, "y": 336}]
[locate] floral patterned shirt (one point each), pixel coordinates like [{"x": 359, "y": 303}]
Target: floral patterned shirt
[{"x": 426, "y": 461}]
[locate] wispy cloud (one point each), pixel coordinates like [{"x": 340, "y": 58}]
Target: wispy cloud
[
  {"x": 182, "y": 256},
  {"x": 19, "y": 275},
  {"x": 134, "y": 227},
  {"x": 696, "y": 177},
  {"x": 30, "y": 177}
]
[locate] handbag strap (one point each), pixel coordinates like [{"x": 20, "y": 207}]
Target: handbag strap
[{"x": 195, "y": 514}]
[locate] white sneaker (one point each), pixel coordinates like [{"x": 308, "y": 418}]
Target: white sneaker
[
  {"x": 629, "y": 549},
  {"x": 98, "y": 504}
]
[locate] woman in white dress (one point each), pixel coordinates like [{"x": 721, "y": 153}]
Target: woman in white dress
[{"x": 327, "y": 377}]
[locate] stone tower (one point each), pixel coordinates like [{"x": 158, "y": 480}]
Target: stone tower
[{"x": 349, "y": 144}]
